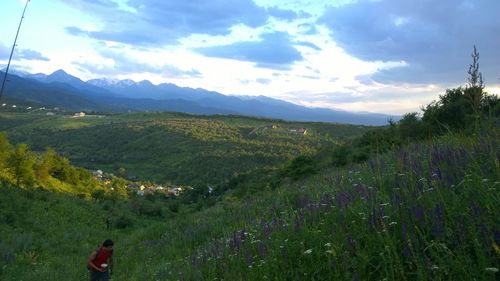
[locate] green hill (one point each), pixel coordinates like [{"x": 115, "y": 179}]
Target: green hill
[{"x": 179, "y": 148}]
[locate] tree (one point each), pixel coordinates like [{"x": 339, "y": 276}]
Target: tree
[
  {"x": 451, "y": 112},
  {"x": 474, "y": 90},
  {"x": 301, "y": 167},
  {"x": 118, "y": 185},
  {"x": 460, "y": 108},
  {"x": 98, "y": 194},
  {"x": 46, "y": 164},
  {"x": 62, "y": 170},
  {"x": 5, "y": 149},
  {"x": 410, "y": 127},
  {"x": 21, "y": 162},
  {"x": 122, "y": 172}
]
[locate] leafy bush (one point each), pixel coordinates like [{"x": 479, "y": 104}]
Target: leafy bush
[
  {"x": 174, "y": 206},
  {"x": 341, "y": 156},
  {"x": 300, "y": 167},
  {"x": 98, "y": 194},
  {"x": 123, "y": 221},
  {"x": 147, "y": 208}
]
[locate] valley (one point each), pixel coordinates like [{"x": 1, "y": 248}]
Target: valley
[{"x": 174, "y": 147}]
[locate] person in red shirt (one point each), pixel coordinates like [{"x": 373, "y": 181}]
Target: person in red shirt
[{"x": 100, "y": 262}]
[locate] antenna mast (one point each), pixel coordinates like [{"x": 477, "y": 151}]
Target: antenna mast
[{"x": 12, "y": 51}]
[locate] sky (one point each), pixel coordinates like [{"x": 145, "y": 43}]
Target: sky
[{"x": 386, "y": 56}]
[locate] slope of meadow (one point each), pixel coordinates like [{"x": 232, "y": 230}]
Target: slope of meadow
[{"x": 425, "y": 211}]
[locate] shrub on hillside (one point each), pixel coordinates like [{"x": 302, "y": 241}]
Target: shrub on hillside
[
  {"x": 21, "y": 162},
  {"x": 301, "y": 167},
  {"x": 174, "y": 206},
  {"x": 122, "y": 222}
]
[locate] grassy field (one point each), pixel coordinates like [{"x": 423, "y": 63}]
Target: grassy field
[{"x": 426, "y": 211}]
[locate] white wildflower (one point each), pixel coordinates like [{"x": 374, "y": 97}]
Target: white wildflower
[
  {"x": 328, "y": 244},
  {"x": 492, "y": 269},
  {"x": 308, "y": 252}
]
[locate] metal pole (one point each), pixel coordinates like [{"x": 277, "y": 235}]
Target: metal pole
[{"x": 12, "y": 51}]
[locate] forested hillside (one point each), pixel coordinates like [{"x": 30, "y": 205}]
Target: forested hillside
[{"x": 179, "y": 148}]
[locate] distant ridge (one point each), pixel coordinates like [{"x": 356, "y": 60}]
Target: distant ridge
[{"x": 64, "y": 90}]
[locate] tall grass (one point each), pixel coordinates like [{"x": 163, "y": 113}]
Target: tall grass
[{"x": 427, "y": 211}]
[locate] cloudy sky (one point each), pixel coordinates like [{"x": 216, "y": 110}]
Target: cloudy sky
[{"x": 390, "y": 56}]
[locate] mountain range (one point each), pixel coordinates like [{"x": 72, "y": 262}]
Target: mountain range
[{"x": 64, "y": 90}]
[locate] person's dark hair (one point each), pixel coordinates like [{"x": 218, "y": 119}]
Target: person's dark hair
[{"x": 107, "y": 243}]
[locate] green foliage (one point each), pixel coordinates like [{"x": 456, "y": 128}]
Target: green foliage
[
  {"x": 24, "y": 168},
  {"x": 459, "y": 110},
  {"x": 410, "y": 127},
  {"x": 393, "y": 217},
  {"x": 5, "y": 148},
  {"x": 21, "y": 162},
  {"x": 341, "y": 156},
  {"x": 123, "y": 221},
  {"x": 46, "y": 165},
  {"x": 182, "y": 149},
  {"x": 300, "y": 167},
  {"x": 174, "y": 206},
  {"x": 98, "y": 194},
  {"x": 462, "y": 108},
  {"x": 148, "y": 208},
  {"x": 452, "y": 112}
]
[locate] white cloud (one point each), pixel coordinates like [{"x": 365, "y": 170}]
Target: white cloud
[{"x": 326, "y": 76}]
